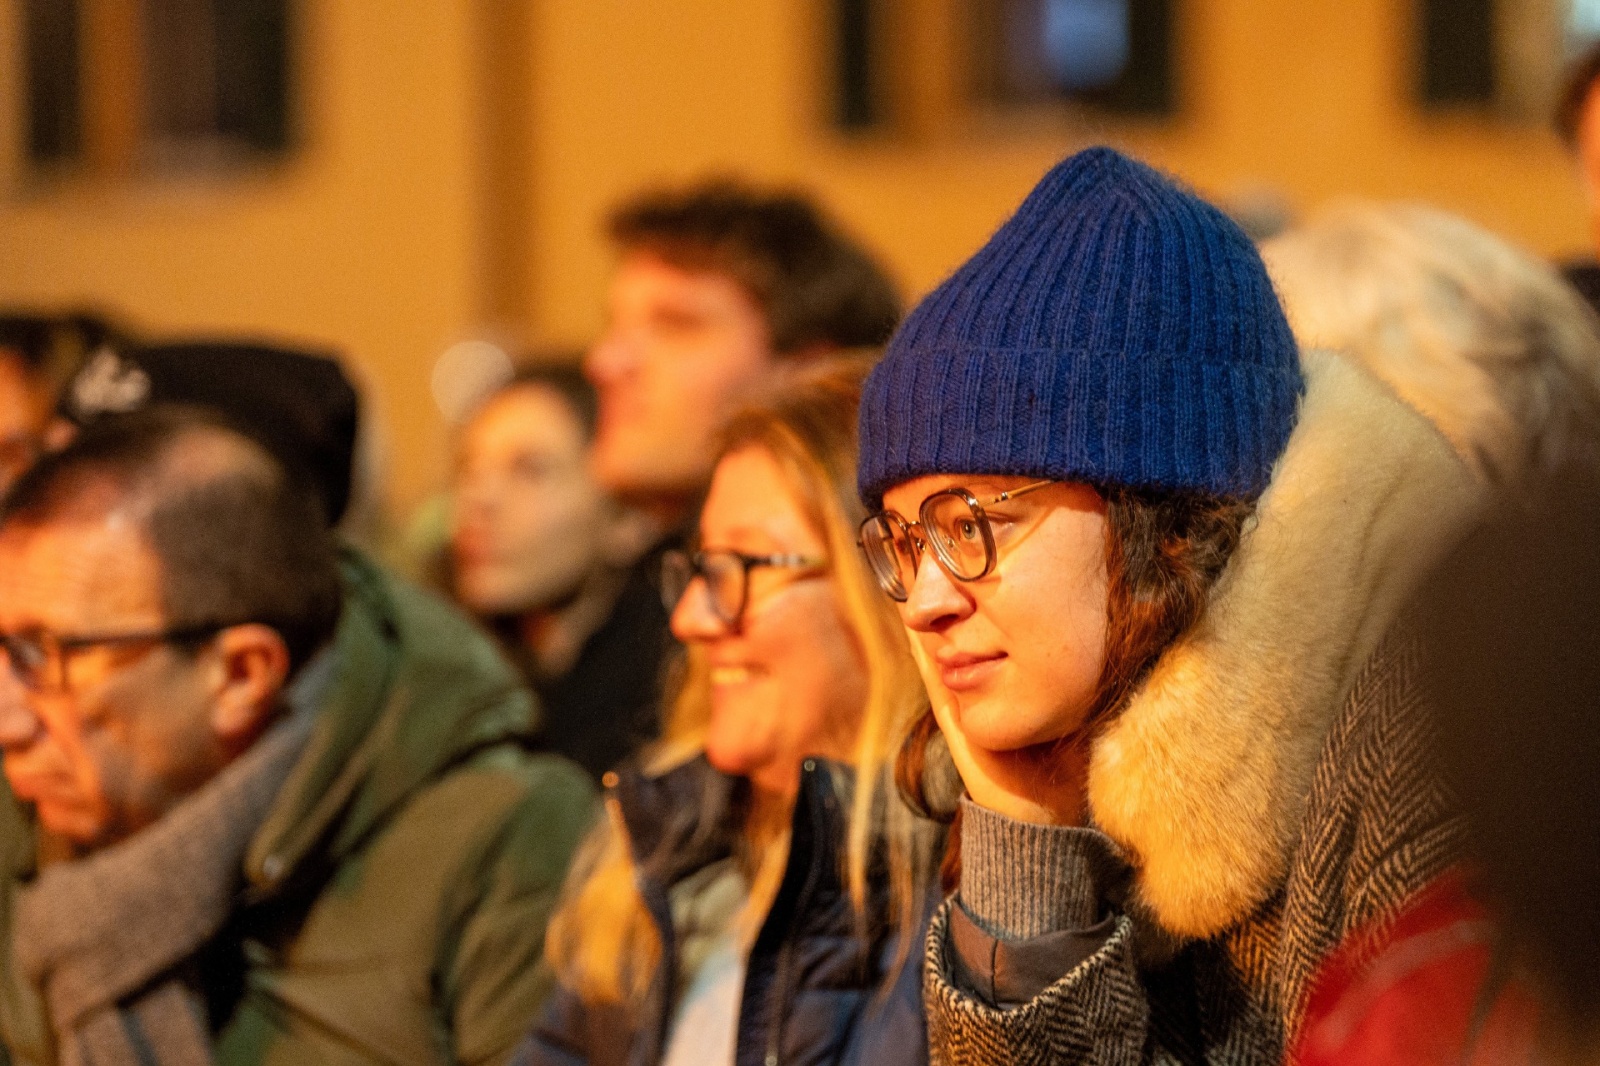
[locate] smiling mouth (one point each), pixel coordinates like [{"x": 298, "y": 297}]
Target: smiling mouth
[{"x": 731, "y": 675}]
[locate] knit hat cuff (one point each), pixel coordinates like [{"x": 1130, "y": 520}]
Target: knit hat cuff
[{"x": 1140, "y": 419}]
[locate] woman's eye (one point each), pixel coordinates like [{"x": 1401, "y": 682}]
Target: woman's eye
[{"x": 967, "y": 529}]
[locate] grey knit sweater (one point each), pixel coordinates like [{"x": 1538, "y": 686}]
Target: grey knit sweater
[{"x": 1038, "y": 959}]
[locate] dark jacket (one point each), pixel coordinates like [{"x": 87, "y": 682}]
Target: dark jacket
[
  {"x": 814, "y": 987},
  {"x": 1265, "y": 792},
  {"x": 605, "y": 708},
  {"x": 393, "y": 904}
]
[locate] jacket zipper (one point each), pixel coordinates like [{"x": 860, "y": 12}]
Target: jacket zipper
[{"x": 785, "y": 965}]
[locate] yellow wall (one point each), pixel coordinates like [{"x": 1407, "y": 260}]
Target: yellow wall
[
  {"x": 366, "y": 240},
  {"x": 396, "y": 230},
  {"x": 1304, "y": 97}
]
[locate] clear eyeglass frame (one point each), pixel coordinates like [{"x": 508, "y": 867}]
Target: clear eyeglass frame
[{"x": 952, "y": 522}]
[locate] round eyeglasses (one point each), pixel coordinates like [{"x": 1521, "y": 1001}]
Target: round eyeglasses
[
  {"x": 951, "y": 522},
  {"x": 727, "y": 576}
]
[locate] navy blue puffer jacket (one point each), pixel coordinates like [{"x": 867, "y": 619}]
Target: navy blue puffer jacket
[{"x": 816, "y": 989}]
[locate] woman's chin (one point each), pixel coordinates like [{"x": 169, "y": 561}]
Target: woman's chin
[{"x": 994, "y": 726}]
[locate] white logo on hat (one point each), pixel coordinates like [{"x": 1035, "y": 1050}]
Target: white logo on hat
[{"x": 109, "y": 384}]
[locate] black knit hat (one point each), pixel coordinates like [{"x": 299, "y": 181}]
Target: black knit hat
[{"x": 299, "y": 406}]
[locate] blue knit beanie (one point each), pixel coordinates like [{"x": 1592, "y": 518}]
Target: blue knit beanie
[{"x": 1117, "y": 330}]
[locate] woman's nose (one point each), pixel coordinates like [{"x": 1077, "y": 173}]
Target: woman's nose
[
  {"x": 935, "y": 600},
  {"x": 693, "y": 620}
]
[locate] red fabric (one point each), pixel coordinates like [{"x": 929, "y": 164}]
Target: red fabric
[{"x": 1414, "y": 1002}]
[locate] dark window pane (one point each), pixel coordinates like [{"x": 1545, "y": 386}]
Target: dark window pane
[
  {"x": 253, "y": 72},
  {"x": 218, "y": 76},
  {"x": 1115, "y": 54},
  {"x": 54, "y": 107},
  {"x": 857, "y": 105},
  {"x": 1148, "y": 84},
  {"x": 180, "y": 70},
  {"x": 1457, "y": 52},
  {"x": 1085, "y": 42}
]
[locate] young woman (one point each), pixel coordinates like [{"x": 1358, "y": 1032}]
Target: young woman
[
  {"x": 713, "y": 919},
  {"x": 1151, "y": 565}
]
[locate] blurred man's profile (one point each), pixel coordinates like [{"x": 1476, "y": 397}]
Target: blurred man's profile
[{"x": 717, "y": 288}]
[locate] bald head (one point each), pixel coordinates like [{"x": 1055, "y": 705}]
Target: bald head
[{"x": 235, "y": 538}]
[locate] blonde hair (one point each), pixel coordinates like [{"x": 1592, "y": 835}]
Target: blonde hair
[
  {"x": 602, "y": 941},
  {"x": 1486, "y": 341}
]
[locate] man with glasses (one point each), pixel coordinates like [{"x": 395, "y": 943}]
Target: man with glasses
[{"x": 264, "y": 802}]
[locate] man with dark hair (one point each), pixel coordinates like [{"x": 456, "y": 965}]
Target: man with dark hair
[
  {"x": 717, "y": 288},
  {"x": 300, "y": 405},
  {"x": 542, "y": 554},
  {"x": 264, "y": 802}
]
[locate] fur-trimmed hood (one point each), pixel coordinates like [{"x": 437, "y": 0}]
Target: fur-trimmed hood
[{"x": 1203, "y": 777}]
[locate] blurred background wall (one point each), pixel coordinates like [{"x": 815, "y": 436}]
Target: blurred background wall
[{"x": 451, "y": 160}]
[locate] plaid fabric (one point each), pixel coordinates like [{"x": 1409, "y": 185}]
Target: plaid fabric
[{"x": 1378, "y": 826}]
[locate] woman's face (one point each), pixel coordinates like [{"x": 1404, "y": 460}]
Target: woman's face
[
  {"x": 791, "y": 680},
  {"x": 1015, "y": 656}
]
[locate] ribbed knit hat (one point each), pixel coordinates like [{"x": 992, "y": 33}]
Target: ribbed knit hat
[{"x": 1117, "y": 330}]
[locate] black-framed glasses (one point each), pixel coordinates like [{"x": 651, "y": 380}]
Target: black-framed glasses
[
  {"x": 38, "y": 658},
  {"x": 951, "y": 522},
  {"x": 727, "y": 576}
]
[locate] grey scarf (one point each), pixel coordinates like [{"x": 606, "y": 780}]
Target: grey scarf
[{"x": 105, "y": 938}]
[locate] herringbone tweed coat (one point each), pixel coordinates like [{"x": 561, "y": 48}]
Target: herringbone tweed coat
[{"x": 1269, "y": 783}]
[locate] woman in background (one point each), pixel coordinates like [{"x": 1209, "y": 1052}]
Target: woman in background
[
  {"x": 540, "y": 554},
  {"x": 713, "y": 917}
]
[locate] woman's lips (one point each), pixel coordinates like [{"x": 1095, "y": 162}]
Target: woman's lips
[
  {"x": 724, "y": 675},
  {"x": 963, "y": 672}
]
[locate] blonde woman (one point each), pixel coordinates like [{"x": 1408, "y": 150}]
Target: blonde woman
[{"x": 715, "y": 917}]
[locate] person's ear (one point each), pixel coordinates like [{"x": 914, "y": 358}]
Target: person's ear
[{"x": 253, "y": 664}]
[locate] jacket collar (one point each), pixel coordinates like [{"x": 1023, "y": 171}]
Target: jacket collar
[
  {"x": 685, "y": 818},
  {"x": 680, "y": 820},
  {"x": 1204, "y": 776},
  {"x": 415, "y": 689}
]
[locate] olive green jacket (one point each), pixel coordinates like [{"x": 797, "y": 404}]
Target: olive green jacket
[{"x": 395, "y": 899}]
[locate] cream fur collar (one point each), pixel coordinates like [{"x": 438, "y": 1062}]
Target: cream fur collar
[{"x": 1204, "y": 776}]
